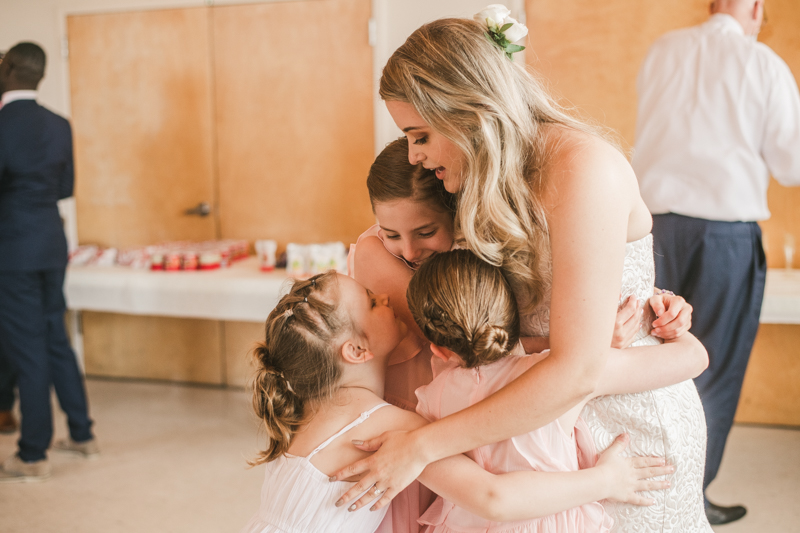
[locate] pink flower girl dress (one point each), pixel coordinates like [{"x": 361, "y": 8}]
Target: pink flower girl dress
[{"x": 547, "y": 449}]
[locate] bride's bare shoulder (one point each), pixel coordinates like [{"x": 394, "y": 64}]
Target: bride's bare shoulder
[
  {"x": 565, "y": 146},
  {"x": 577, "y": 158}
]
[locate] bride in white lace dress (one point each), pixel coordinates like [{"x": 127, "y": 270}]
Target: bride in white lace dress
[
  {"x": 550, "y": 200},
  {"x": 667, "y": 422}
]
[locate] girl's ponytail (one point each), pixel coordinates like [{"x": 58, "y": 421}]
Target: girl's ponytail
[
  {"x": 276, "y": 404},
  {"x": 297, "y": 365}
]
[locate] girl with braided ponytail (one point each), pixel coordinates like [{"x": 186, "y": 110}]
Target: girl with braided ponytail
[
  {"x": 467, "y": 309},
  {"x": 319, "y": 385}
]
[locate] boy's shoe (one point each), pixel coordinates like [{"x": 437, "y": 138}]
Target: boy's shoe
[
  {"x": 88, "y": 448},
  {"x": 8, "y": 424},
  {"x": 15, "y": 470}
]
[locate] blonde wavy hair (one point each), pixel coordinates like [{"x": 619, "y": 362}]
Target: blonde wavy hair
[
  {"x": 297, "y": 364},
  {"x": 466, "y": 305},
  {"x": 494, "y": 111}
]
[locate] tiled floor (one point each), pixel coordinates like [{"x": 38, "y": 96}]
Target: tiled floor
[{"x": 174, "y": 461}]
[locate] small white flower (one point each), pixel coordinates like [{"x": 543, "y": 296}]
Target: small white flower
[
  {"x": 494, "y": 14},
  {"x": 515, "y": 32}
]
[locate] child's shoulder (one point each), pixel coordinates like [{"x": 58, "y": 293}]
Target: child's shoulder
[
  {"x": 371, "y": 259},
  {"x": 382, "y": 416}
]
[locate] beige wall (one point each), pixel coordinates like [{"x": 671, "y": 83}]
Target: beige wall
[{"x": 44, "y": 21}]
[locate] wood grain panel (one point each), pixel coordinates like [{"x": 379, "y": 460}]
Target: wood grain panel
[
  {"x": 781, "y": 34},
  {"x": 771, "y": 390},
  {"x": 294, "y": 117},
  {"x": 141, "y": 112},
  {"x": 590, "y": 51},
  {"x": 240, "y": 338},
  {"x": 174, "y": 349}
]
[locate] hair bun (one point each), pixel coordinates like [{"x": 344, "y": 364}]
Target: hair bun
[{"x": 491, "y": 343}]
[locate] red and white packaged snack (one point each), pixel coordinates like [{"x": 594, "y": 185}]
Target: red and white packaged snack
[
  {"x": 209, "y": 260},
  {"x": 266, "y": 251},
  {"x": 157, "y": 260},
  {"x": 172, "y": 256},
  {"x": 135, "y": 257},
  {"x": 189, "y": 260},
  {"x": 105, "y": 258},
  {"x": 83, "y": 254},
  {"x": 172, "y": 261}
]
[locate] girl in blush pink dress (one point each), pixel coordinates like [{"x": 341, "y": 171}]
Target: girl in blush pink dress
[
  {"x": 467, "y": 309},
  {"x": 416, "y": 221}
]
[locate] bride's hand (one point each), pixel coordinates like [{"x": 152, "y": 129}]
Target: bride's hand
[
  {"x": 674, "y": 315},
  {"x": 397, "y": 462}
]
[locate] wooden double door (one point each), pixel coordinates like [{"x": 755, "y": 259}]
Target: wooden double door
[{"x": 263, "y": 111}]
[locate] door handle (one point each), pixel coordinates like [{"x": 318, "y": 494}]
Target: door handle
[{"x": 203, "y": 209}]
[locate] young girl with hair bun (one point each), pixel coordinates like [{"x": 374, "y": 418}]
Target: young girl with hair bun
[
  {"x": 467, "y": 309},
  {"x": 319, "y": 385}
]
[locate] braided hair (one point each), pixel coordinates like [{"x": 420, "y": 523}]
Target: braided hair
[
  {"x": 297, "y": 364},
  {"x": 466, "y": 305}
]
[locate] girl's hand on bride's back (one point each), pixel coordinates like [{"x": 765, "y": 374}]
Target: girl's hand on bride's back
[
  {"x": 626, "y": 476},
  {"x": 627, "y": 323},
  {"x": 398, "y": 461}
]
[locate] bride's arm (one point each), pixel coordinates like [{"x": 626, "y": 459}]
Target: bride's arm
[
  {"x": 528, "y": 494},
  {"x": 589, "y": 206}
]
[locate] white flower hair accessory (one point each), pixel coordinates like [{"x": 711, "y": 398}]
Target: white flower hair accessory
[{"x": 501, "y": 29}]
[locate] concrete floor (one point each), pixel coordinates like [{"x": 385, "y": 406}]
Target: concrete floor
[{"x": 173, "y": 460}]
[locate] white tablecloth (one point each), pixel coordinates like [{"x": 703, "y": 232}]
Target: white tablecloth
[
  {"x": 241, "y": 292},
  {"x": 781, "y": 297}
]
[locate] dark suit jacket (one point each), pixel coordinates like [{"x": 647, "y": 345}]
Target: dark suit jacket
[{"x": 36, "y": 171}]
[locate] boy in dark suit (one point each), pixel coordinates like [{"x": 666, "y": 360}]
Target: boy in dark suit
[{"x": 35, "y": 172}]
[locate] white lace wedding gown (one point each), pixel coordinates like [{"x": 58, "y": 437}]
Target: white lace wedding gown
[{"x": 666, "y": 422}]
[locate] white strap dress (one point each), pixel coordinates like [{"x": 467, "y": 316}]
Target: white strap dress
[{"x": 298, "y": 498}]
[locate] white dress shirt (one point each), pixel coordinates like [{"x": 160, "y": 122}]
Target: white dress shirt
[
  {"x": 718, "y": 113},
  {"x": 12, "y": 96}
]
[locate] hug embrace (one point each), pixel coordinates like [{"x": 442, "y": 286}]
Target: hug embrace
[{"x": 499, "y": 358}]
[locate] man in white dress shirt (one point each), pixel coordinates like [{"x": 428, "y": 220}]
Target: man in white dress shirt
[{"x": 719, "y": 113}]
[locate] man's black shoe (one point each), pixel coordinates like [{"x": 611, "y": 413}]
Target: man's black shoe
[{"x": 718, "y": 515}]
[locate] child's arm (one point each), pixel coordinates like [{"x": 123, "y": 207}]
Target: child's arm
[
  {"x": 526, "y": 495},
  {"x": 646, "y": 368}
]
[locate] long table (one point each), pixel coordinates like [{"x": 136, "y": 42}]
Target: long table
[
  {"x": 241, "y": 292},
  {"x": 245, "y": 293}
]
